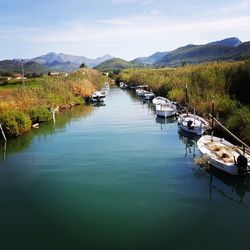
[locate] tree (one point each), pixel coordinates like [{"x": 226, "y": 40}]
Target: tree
[{"x": 83, "y": 65}]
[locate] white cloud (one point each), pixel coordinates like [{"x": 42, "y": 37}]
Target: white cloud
[{"x": 132, "y": 36}]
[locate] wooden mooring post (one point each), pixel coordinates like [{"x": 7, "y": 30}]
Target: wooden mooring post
[
  {"x": 53, "y": 117},
  {"x": 245, "y": 146},
  {"x": 4, "y": 137}
]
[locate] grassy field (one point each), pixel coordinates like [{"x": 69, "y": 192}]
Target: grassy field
[
  {"x": 228, "y": 82},
  {"x": 21, "y": 105}
]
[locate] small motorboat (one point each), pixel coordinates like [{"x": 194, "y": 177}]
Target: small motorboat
[
  {"x": 223, "y": 155},
  {"x": 141, "y": 92},
  {"x": 123, "y": 85},
  {"x": 160, "y": 100},
  {"x": 148, "y": 95},
  {"x": 193, "y": 123},
  {"x": 166, "y": 110},
  {"x": 98, "y": 96}
]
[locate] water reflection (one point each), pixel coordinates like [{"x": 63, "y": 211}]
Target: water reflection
[
  {"x": 164, "y": 121},
  {"x": 99, "y": 104},
  {"x": 16, "y": 145},
  {"x": 190, "y": 142},
  {"x": 220, "y": 184}
]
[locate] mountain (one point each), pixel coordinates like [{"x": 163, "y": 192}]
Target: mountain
[
  {"x": 150, "y": 59},
  {"x": 116, "y": 64},
  {"x": 232, "y": 42},
  {"x": 216, "y": 51},
  {"x": 66, "y": 62},
  {"x": 8, "y": 67}
]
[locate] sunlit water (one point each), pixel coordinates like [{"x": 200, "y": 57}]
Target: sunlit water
[{"x": 115, "y": 177}]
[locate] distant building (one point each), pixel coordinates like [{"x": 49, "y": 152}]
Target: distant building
[
  {"x": 18, "y": 76},
  {"x": 58, "y": 74},
  {"x": 54, "y": 73}
]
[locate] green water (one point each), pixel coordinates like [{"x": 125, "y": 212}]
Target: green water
[{"x": 115, "y": 177}]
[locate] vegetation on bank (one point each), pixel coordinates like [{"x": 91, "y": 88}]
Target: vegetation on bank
[
  {"x": 228, "y": 82},
  {"x": 20, "y": 105}
]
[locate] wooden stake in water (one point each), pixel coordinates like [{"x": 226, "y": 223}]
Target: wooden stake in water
[
  {"x": 54, "y": 117},
  {"x": 4, "y": 150},
  {"x": 4, "y": 137},
  {"x": 213, "y": 116}
]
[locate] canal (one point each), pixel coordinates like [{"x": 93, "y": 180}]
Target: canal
[{"x": 115, "y": 177}]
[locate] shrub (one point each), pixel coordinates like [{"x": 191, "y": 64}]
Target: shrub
[
  {"x": 40, "y": 114},
  {"x": 15, "y": 122}
]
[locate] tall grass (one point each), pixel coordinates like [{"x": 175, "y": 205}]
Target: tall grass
[
  {"x": 228, "y": 82},
  {"x": 40, "y": 94}
]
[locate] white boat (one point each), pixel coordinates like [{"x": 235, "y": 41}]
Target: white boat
[
  {"x": 123, "y": 85},
  {"x": 98, "y": 96},
  {"x": 193, "y": 123},
  {"x": 223, "y": 155},
  {"x": 141, "y": 92},
  {"x": 160, "y": 100},
  {"x": 166, "y": 110},
  {"x": 148, "y": 95}
]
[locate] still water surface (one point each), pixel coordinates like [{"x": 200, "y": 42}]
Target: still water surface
[{"x": 115, "y": 177}]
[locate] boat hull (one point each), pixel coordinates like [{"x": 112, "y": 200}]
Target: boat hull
[
  {"x": 193, "y": 124},
  {"x": 165, "y": 113},
  {"x": 215, "y": 149}
]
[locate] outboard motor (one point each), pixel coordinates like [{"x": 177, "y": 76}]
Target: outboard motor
[
  {"x": 189, "y": 125},
  {"x": 242, "y": 164}
]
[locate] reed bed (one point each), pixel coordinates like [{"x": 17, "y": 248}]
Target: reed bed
[
  {"x": 227, "y": 82},
  {"x": 24, "y": 105}
]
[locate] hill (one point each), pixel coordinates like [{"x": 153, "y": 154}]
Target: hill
[
  {"x": 65, "y": 62},
  {"x": 193, "y": 54},
  {"x": 150, "y": 59},
  {"x": 117, "y": 64},
  {"x": 8, "y": 67},
  {"x": 232, "y": 42},
  {"x": 227, "y": 49}
]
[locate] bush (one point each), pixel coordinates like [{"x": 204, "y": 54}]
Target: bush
[
  {"x": 40, "y": 114},
  {"x": 15, "y": 122}
]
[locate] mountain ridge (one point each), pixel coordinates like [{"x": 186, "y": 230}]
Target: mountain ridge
[{"x": 68, "y": 62}]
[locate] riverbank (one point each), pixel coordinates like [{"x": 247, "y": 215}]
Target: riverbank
[
  {"x": 21, "y": 105},
  {"x": 228, "y": 82}
]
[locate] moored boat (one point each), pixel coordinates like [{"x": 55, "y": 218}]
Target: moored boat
[
  {"x": 166, "y": 110},
  {"x": 98, "y": 96},
  {"x": 123, "y": 85},
  {"x": 140, "y": 92},
  {"x": 193, "y": 123},
  {"x": 148, "y": 95},
  {"x": 223, "y": 155},
  {"x": 160, "y": 100}
]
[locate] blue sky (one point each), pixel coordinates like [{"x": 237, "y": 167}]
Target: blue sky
[{"x": 122, "y": 28}]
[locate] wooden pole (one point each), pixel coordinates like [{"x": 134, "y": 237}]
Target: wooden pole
[
  {"x": 4, "y": 137},
  {"x": 4, "y": 150},
  {"x": 186, "y": 91},
  {"x": 212, "y": 115},
  {"x": 54, "y": 117},
  {"x": 229, "y": 132}
]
